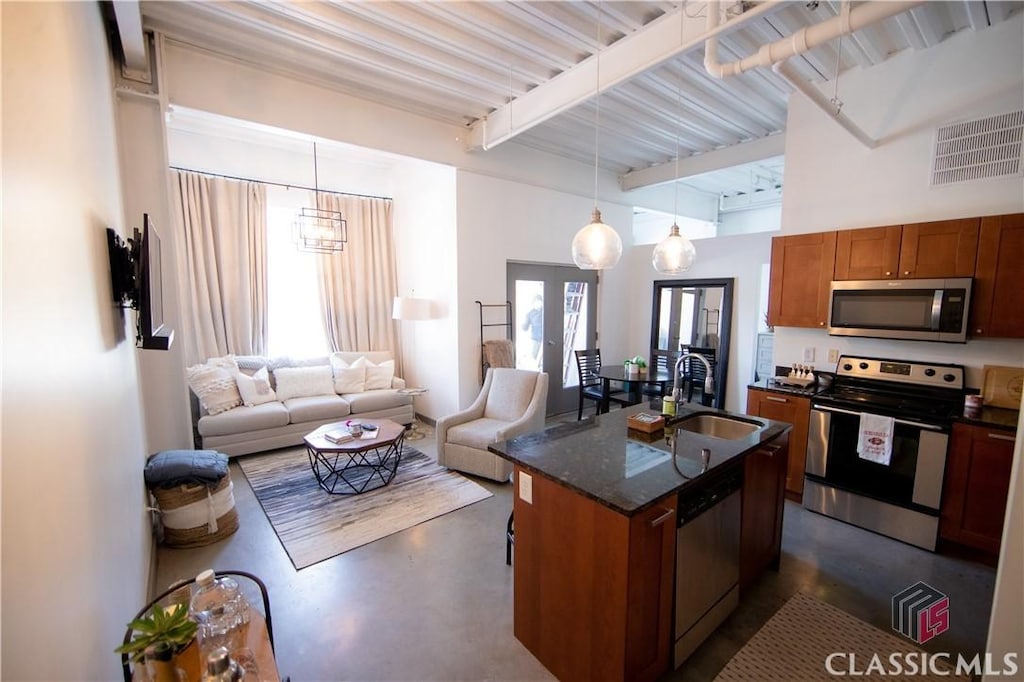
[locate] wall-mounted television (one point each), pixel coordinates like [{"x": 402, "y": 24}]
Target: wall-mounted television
[
  {"x": 136, "y": 277},
  {"x": 153, "y": 332}
]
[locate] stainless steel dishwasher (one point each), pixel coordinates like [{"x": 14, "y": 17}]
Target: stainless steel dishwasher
[{"x": 707, "y": 561}]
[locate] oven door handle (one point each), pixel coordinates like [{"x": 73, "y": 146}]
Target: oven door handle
[{"x": 930, "y": 427}]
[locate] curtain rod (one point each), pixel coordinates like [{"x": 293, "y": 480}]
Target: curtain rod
[{"x": 278, "y": 184}]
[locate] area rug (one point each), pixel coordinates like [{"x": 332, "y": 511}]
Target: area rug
[
  {"x": 314, "y": 525},
  {"x": 795, "y": 643}
]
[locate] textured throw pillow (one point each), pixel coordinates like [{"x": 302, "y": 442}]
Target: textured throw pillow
[
  {"x": 214, "y": 384},
  {"x": 347, "y": 378},
  {"x": 298, "y": 382},
  {"x": 255, "y": 389},
  {"x": 378, "y": 376}
]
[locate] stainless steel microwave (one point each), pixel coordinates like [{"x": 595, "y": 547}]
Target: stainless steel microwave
[{"x": 917, "y": 309}]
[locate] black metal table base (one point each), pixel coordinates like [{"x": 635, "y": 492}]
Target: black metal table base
[{"x": 353, "y": 473}]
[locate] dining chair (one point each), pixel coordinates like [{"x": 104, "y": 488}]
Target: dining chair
[
  {"x": 694, "y": 373},
  {"x": 661, "y": 362},
  {"x": 588, "y": 363}
]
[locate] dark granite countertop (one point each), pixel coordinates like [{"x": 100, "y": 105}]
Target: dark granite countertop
[
  {"x": 990, "y": 416},
  {"x": 625, "y": 470}
]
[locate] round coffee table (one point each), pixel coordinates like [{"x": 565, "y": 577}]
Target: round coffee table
[{"x": 358, "y": 465}]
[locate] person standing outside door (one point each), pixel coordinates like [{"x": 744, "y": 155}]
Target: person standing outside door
[{"x": 534, "y": 323}]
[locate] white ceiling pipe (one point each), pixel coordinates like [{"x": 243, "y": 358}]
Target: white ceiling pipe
[
  {"x": 823, "y": 103},
  {"x": 803, "y": 40}
]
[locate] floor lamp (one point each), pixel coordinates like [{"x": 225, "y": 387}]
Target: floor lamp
[{"x": 409, "y": 309}]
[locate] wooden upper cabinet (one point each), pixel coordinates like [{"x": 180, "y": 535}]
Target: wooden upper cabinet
[
  {"x": 998, "y": 288},
  {"x": 870, "y": 253},
  {"x": 801, "y": 272},
  {"x": 945, "y": 248}
]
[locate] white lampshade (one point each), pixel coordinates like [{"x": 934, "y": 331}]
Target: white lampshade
[
  {"x": 597, "y": 246},
  {"x": 674, "y": 254},
  {"x": 408, "y": 308}
]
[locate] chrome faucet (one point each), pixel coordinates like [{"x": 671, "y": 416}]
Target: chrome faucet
[{"x": 709, "y": 383}]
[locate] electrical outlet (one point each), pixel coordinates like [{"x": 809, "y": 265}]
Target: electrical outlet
[
  {"x": 526, "y": 488},
  {"x": 809, "y": 354},
  {"x": 833, "y": 355}
]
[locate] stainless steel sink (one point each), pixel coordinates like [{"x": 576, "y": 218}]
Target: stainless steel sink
[{"x": 717, "y": 426}]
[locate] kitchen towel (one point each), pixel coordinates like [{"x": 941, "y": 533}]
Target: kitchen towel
[{"x": 874, "y": 441}]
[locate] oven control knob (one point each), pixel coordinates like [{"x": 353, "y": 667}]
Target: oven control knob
[
  {"x": 949, "y": 377},
  {"x": 847, "y": 367},
  {"x": 929, "y": 372},
  {"x": 863, "y": 365}
]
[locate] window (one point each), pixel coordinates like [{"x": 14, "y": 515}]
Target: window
[{"x": 294, "y": 321}]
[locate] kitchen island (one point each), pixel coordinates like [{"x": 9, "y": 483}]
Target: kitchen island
[{"x": 596, "y": 565}]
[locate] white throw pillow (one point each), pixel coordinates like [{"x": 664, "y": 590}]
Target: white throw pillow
[
  {"x": 255, "y": 389},
  {"x": 298, "y": 382},
  {"x": 378, "y": 376},
  {"x": 348, "y": 378},
  {"x": 214, "y": 384}
]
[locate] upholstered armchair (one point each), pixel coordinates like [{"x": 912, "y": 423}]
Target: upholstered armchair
[{"x": 511, "y": 403}]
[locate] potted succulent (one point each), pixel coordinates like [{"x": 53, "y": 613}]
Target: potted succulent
[{"x": 159, "y": 637}]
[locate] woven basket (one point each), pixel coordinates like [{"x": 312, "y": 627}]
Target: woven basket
[{"x": 178, "y": 496}]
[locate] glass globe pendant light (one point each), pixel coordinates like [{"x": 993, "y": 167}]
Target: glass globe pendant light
[
  {"x": 596, "y": 246},
  {"x": 675, "y": 253}
]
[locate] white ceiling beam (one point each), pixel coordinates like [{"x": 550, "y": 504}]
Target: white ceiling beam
[
  {"x": 133, "y": 40},
  {"x": 627, "y": 58},
  {"x": 726, "y": 157}
]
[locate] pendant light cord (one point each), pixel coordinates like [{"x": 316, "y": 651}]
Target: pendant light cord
[
  {"x": 597, "y": 100},
  {"x": 316, "y": 180},
  {"x": 679, "y": 124}
]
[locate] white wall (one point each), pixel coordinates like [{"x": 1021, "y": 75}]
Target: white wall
[
  {"x": 76, "y": 543},
  {"x": 426, "y": 250},
  {"x": 740, "y": 257},
  {"x": 501, "y": 220}
]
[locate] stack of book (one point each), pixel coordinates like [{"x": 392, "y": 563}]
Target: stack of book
[{"x": 339, "y": 435}]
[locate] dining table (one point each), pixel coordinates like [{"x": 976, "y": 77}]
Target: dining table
[{"x": 633, "y": 383}]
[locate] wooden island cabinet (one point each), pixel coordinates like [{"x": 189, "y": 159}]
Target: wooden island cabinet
[
  {"x": 764, "y": 475},
  {"x": 795, "y": 410},
  {"x": 578, "y": 562}
]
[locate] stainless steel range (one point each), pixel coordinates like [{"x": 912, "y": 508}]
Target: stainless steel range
[{"x": 876, "y": 453}]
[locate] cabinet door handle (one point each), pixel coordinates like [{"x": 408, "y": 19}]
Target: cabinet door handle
[
  {"x": 663, "y": 518},
  {"x": 770, "y": 450},
  {"x": 776, "y": 400},
  {"x": 906, "y": 272},
  {"x": 888, "y": 274},
  {"x": 1000, "y": 436}
]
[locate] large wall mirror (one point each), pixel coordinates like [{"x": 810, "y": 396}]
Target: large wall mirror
[{"x": 694, "y": 314}]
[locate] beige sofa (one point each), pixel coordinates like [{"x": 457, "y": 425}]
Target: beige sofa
[
  {"x": 281, "y": 423},
  {"x": 511, "y": 403}
]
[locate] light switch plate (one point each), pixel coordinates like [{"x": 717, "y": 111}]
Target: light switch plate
[
  {"x": 809, "y": 354},
  {"x": 526, "y": 488},
  {"x": 833, "y": 355}
]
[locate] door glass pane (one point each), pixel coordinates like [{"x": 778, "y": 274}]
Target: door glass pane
[
  {"x": 574, "y": 332},
  {"x": 529, "y": 336}
]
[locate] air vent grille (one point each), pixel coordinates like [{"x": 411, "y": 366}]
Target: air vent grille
[{"x": 991, "y": 147}]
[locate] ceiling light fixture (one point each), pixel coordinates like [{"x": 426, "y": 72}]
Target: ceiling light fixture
[
  {"x": 319, "y": 230},
  {"x": 596, "y": 246},
  {"x": 675, "y": 253}
]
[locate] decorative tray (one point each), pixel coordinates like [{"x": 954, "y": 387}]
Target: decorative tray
[
  {"x": 802, "y": 382},
  {"x": 648, "y": 423}
]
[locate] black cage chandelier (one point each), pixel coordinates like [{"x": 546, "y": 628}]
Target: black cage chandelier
[{"x": 318, "y": 230}]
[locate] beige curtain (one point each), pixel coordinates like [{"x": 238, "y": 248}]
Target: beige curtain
[
  {"x": 223, "y": 263},
  {"x": 358, "y": 285}
]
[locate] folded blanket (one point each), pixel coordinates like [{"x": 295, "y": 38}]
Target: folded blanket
[
  {"x": 171, "y": 468},
  {"x": 499, "y": 353}
]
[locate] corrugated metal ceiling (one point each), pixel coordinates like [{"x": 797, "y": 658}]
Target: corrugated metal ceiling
[{"x": 459, "y": 61}]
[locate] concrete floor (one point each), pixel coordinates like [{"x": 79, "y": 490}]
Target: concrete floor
[{"x": 435, "y": 602}]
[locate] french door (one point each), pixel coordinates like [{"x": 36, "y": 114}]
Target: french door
[{"x": 554, "y": 312}]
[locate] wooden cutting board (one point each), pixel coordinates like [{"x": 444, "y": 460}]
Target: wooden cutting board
[{"x": 1003, "y": 386}]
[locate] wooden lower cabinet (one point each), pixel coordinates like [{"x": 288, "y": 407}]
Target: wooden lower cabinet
[
  {"x": 795, "y": 410},
  {"x": 764, "y": 473},
  {"x": 593, "y": 588},
  {"x": 976, "y": 486}
]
